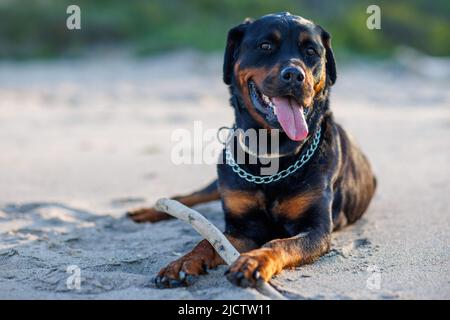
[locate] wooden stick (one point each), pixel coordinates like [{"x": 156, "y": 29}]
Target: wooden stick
[
  {"x": 213, "y": 235},
  {"x": 202, "y": 225}
]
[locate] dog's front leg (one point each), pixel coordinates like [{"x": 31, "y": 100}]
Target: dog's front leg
[
  {"x": 261, "y": 264},
  {"x": 209, "y": 193},
  {"x": 182, "y": 271}
]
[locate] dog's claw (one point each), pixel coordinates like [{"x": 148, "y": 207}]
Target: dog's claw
[
  {"x": 190, "y": 279},
  {"x": 245, "y": 283},
  {"x": 173, "y": 283},
  {"x": 240, "y": 279},
  {"x": 235, "y": 277},
  {"x": 158, "y": 282},
  {"x": 164, "y": 281}
]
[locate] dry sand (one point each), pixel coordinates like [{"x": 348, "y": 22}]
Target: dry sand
[{"x": 83, "y": 141}]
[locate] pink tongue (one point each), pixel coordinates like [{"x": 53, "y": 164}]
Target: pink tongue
[{"x": 290, "y": 115}]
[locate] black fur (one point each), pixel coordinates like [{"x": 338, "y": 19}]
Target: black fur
[
  {"x": 288, "y": 222},
  {"x": 338, "y": 170}
]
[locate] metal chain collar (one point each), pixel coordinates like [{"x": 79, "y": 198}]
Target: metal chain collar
[{"x": 280, "y": 175}]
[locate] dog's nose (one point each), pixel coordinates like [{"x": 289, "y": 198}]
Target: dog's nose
[{"x": 292, "y": 75}]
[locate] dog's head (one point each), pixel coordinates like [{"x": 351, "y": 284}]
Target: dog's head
[{"x": 278, "y": 65}]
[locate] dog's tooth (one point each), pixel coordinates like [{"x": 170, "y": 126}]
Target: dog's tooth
[{"x": 267, "y": 100}]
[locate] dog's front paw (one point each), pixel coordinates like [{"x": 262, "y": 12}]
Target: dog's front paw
[
  {"x": 251, "y": 268},
  {"x": 180, "y": 273},
  {"x": 147, "y": 215}
]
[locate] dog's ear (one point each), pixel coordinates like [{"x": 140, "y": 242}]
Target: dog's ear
[
  {"x": 234, "y": 39},
  {"x": 329, "y": 56}
]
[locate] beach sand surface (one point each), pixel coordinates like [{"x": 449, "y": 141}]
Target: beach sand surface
[{"x": 83, "y": 141}]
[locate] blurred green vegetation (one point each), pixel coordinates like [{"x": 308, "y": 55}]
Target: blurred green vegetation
[{"x": 37, "y": 28}]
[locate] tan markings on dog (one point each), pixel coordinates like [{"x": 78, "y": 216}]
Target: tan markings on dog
[
  {"x": 277, "y": 35},
  {"x": 293, "y": 207},
  {"x": 202, "y": 255},
  {"x": 193, "y": 262},
  {"x": 148, "y": 215},
  {"x": 298, "y": 250},
  {"x": 318, "y": 87},
  {"x": 279, "y": 254},
  {"x": 240, "y": 202},
  {"x": 307, "y": 86},
  {"x": 303, "y": 36},
  {"x": 256, "y": 74},
  {"x": 243, "y": 76},
  {"x": 263, "y": 260}
]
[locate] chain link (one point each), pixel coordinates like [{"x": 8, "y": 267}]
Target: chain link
[{"x": 280, "y": 175}]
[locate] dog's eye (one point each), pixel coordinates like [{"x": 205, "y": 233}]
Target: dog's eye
[
  {"x": 265, "y": 46},
  {"x": 311, "y": 51}
]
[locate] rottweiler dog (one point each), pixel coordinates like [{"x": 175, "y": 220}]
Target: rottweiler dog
[{"x": 279, "y": 69}]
